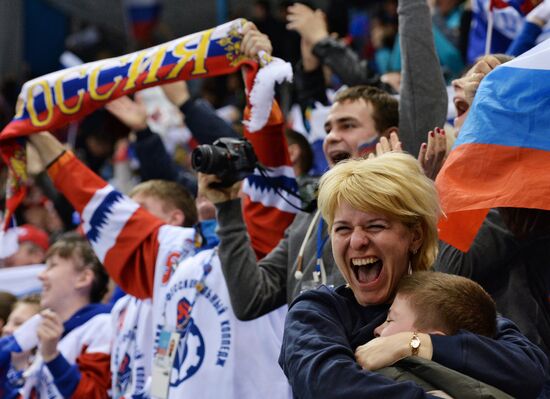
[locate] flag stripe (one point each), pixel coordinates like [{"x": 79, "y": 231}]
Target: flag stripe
[
  {"x": 494, "y": 176},
  {"x": 511, "y": 114}
]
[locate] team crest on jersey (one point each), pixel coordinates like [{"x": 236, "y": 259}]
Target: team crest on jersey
[
  {"x": 190, "y": 354},
  {"x": 124, "y": 374},
  {"x": 184, "y": 315},
  {"x": 191, "y": 351}
]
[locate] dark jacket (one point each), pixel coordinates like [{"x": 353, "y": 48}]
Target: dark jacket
[
  {"x": 432, "y": 376},
  {"x": 514, "y": 272},
  {"x": 324, "y": 327}
]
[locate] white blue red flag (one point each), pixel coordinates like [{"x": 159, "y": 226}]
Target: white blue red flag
[{"x": 502, "y": 155}]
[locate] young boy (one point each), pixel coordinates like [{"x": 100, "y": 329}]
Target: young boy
[{"x": 441, "y": 304}]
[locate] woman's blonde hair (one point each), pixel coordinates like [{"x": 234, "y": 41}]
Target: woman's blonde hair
[{"x": 392, "y": 184}]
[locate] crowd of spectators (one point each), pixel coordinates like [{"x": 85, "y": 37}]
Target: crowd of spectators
[{"x": 371, "y": 80}]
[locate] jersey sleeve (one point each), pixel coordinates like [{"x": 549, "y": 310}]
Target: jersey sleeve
[
  {"x": 90, "y": 377},
  {"x": 123, "y": 235},
  {"x": 268, "y": 213}
]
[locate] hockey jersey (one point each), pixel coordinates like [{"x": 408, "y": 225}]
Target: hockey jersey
[
  {"x": 82, "y": 367},
  {"x": 141, "y": 254},
  {"x": 131, "y": 351}
]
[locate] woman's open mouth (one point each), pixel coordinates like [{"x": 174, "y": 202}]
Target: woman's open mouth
[{"x": 366, "y": 270}]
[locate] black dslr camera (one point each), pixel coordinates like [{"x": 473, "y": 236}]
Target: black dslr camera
[{"x": 229, "y": 159}]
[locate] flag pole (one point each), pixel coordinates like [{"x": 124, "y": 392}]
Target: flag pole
[{"x": 490, "y": 22}]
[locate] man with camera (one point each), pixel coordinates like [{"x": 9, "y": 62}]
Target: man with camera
[
  {"x": 361, "y": 119},
  {"x": 303, "y": 259}
]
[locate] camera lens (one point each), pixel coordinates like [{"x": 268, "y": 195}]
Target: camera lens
[{"x": 201, "y": 159}]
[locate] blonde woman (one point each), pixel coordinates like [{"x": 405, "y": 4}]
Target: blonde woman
[{"x": 382, "y": 216}]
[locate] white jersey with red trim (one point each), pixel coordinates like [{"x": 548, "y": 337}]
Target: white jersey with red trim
[
  {"x": 218, "y": 355},
  {"x": 131, "y": 351},
  {"x": 87, "y": 342},
  {"x": 216, "y": 352},
  {"x": 141, "y": 253}
]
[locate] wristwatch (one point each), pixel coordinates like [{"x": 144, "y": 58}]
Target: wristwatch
[{"x": 414, "y": 344}]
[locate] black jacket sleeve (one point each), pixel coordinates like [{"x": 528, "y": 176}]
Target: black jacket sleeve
[
  {"x": 156, "y": 163},
  {"x": 205, "y": 125}
]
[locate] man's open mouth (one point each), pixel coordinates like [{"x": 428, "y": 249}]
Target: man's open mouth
[{"x": 339, "y": 156}]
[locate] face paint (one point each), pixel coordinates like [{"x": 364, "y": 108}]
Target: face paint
[{"x": 368, "y": 147}]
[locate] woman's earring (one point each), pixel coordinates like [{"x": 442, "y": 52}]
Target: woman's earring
[{"x": 410, "y": 268}]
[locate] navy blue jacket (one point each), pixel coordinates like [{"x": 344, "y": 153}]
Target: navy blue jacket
[{"x": 324, "y": 327}]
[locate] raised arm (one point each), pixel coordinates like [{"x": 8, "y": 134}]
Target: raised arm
[
  {"x": 423, "y": 102},
  {"x": 254, "y": 291},
  {"x": 123, "y": 235}
]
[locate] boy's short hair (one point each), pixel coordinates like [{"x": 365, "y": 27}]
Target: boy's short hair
[
  {"x": 386, "y": 107},
  {"x": 172, "y": 195},
  {"x": 76, "y": 248},
  {"x": 449, "y": 303}
]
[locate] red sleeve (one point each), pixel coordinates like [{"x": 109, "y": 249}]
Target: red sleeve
[
  {"x": 267, "y": 224},
  {"x": 95, "y": 376},
  {"x": 133, "y": 246}
]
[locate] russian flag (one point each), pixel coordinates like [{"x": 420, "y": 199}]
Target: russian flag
[
  {"x": 143, "y": 16},
  {"x": 502, "y": 155}
]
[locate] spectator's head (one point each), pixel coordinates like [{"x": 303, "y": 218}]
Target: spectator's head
[
  {"x": 7, "y": 301},
  {"x": 382, "y": 216},
  {"x": 33, "y": 244},
  {"x": 166, "y": 200},
  {"x": 359, "y": 116},
  {"x": 300, "y": 152},
  {"x": 73, "y": 277},
  {"x": 439, "y": 303},
  {"x": 22, "y": 310}
]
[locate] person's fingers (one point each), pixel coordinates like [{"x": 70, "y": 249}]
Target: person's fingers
[
  {"x": 378, "y": 149},
  {"x": 481, "y": 67},
  {"x": 440, "y": 144},
  {"x": 422, "y": 153},
  {"x": 430, "y": 146},
  {"x": 470, "y": 90},
  {"x": 385, "y": 144},
  {"x": 492, "y": 61},
  {"x": 254, "y": 42},
  {"x": 249, "y": 26},
  {"x": 395, "y": 144}
]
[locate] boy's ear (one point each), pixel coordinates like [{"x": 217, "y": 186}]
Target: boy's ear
[{"x": 177, "y": 217}]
